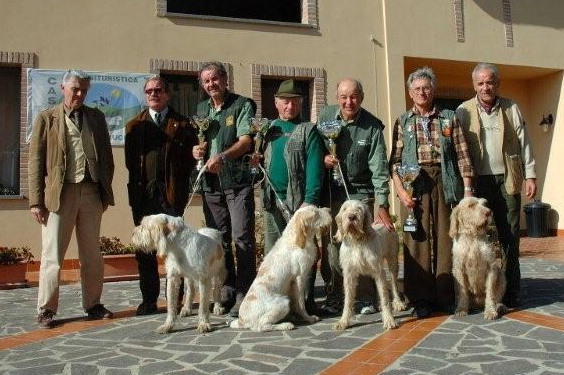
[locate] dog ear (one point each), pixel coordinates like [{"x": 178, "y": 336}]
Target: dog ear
[
  {"x": 453, "y": 229},
  {"x": 302, "y": 222},
  {"x": 339, "y": 221},
  {"x": 368, "y": 219}
]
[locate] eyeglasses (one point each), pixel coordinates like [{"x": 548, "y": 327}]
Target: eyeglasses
[
  {"x": 425, "y": 89},
  {"x": 156, "y": 91}
]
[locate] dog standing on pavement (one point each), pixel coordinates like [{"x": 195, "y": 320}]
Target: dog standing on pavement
[
  {"x": 280, "y": 284},
  {"x": 363, "y": 250},
  {"x": 479, "y": 278},
  {"x": 196, "y": 255}
]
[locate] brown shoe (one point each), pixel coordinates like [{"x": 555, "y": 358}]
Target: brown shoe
[
  {"x": 45, "y": 318},
  {"x": 98, "y": 312}
]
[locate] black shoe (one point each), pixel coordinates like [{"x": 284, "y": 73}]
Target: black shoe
[
  {"x": 98, "y": 312},
  {"x": 45, "y": 319},
  {"x": 311, "y": 307},
  {"x": 422, "y": 309},
  {"x": 147, "y": 308},
  {"x": 234, "y": 312},
  {"x": 330, "y": 308},
  {"x": 228, "y": 297},
  {"x": 512, "y": 302}
]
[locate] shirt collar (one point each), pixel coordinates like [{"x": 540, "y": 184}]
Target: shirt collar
[
  {"x": 339, "y": 117},
  {"x": 163, "y": 113},
  {"x": 481, "y": 107}
]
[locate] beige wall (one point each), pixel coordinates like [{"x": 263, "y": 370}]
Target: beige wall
[{"x": 373, "y": 40}]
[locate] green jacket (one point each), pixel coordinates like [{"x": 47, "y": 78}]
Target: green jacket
[
  {"x": 297, "y": 159},
  {"x": 235, "y": 173},
  {"x": 362, "y": 153},
  {"x": 453, "y": 185}
]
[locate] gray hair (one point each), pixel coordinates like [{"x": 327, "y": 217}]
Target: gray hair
[
  {"x": 77, "y": 74},
  {"x": 357, "y": 85},
  {"x": 422, "y": 73},
  {"x": 486, "y": 66},
  {"x": 215, "y": 66}
]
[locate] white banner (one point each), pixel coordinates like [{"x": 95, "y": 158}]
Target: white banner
[{"x": 119, "y": 96}]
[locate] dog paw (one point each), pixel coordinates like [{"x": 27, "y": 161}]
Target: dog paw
[
  {"x": 185, "y": 312},
  {"x": 399, "y": 306},
  {"x": 286, "y": 326},
  {"x": 312, "y": 319},
  {"x": 389, "y": 324},
  {"x": 490, "y": 315},
  {"x": 340, "y": 326},
  {"x": 458, "y": 312},
  {"x": 165, "y": 328},
  {"x": 204, "y": 327},
  {"x": 218, "y": 309}
]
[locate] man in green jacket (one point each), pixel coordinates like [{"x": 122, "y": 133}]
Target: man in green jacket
[
  {"x": 361, "y": 155},
  {"x": 229, "y": 204}
]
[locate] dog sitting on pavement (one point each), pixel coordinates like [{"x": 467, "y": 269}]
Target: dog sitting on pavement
[
  {"x": 195, "y": 255},
  {"x": 280, "y": 284},
  {"x": 479, "y": 277}
]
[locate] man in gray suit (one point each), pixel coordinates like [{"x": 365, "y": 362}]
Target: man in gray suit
[{"x": 71, "y": 168}]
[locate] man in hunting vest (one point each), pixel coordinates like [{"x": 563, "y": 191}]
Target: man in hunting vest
[{"x": 503, "y": 160}]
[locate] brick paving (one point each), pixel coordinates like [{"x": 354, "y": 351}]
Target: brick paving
[{"x": 529, "y": 340}]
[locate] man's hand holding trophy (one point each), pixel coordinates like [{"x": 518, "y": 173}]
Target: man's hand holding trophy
[
  {"x": 202, "y": 123},
  {"x": 408, "y": 174},
  {"x": 259, "y": 127},
  {"x": 331, "y": 131}
]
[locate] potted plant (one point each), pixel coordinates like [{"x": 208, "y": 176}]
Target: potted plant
[
  {"x": 13, "y": 266},
  {"x": 119, "y": 260}
]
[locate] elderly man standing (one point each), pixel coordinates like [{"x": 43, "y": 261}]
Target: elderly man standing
[
  {"x": 501, "y": 151},
  {"x": 431, "y": 138},
  {"x": 71, "y": 168},
  {"x": 294, "y": 163},
  {"x": 229, "y": 204},
  {"x": 158, "y": 156},
  {"x": 361, "y": 154}
]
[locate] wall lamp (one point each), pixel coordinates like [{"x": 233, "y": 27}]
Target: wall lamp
[{"x": 546, "y": 122}]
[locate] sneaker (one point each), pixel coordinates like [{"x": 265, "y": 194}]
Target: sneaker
[
  {"x": 98, "y": 312},
  {"x": 45, "y": 318},
  {"x": 146, "y": 308},
  {"x": 368, "y": 309}
]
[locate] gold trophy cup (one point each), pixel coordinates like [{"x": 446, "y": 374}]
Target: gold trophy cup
[{"x": 259, "y": 126}]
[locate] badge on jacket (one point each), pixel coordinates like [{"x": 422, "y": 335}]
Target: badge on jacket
[
  {"x": 230, "y": 120},
  {"x": 446, "y": 127}
]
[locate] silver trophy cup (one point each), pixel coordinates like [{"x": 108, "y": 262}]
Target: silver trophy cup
[
  {"x": 408, "y": 174},
  {"x": 331, "y": 131}
]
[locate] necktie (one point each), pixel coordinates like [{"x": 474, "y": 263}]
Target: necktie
[
  {"x": 158, "y": 118},
  {"x": 77, "y": 119}
]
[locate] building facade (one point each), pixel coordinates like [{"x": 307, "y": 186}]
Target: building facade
[{"x": 263, "y": 42}]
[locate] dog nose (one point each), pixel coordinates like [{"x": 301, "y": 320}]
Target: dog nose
[{"x": 352, "y": 217}]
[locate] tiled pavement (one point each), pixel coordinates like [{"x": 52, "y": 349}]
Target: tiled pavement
[{"x": 527, "y": 341}]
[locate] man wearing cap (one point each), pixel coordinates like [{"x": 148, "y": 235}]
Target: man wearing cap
[
  {"x": 361, "y": 154},
  {"x": 293, "y": 159}
]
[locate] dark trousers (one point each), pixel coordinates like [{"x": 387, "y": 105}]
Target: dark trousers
[
  {"x": 333, "y": 278},
  {"x": 232, "y": 212},
  {"x": 428, "y": 250},
  {"x": 506, "y": 213}
]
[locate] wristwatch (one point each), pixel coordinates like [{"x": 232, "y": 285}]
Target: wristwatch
[{"x": 469, "y": 188}]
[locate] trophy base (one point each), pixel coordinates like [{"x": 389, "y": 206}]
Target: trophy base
[{"x": 409, "y": 227}]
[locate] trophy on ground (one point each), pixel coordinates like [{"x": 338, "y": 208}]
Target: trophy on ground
[
  {"x": 203, "y": 123},
  {"x": 331, "y": 130},
  {"x": 408, "y": 174},
  {"x": 259, "y": 126}
]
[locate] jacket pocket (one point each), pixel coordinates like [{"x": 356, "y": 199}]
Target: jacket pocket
[{"x": 513, "y": 174}]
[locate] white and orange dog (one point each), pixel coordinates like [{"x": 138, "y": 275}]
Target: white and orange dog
[
  {"x": 479, "y": 279},
  {"x": 363, "y": 250},
  {"x": 195, "y": 255},
  {"x": 280, "y": 285}
]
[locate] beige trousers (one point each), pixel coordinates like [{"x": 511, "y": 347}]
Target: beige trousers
[{"x": 81, "y": 208}]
